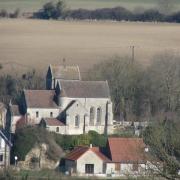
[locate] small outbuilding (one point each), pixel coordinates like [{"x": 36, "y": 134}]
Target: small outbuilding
[{"x": 121, "y": 156}]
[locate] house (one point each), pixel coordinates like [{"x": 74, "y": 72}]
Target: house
[
  {"x": 5, "y": 146},
  {"x": 3, "y": 112},
  {"x": 73, "y": 106},
  {"x": 15, "y": 118},
  {"x": 121, "y": 156}
]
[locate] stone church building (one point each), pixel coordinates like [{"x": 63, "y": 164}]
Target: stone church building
[{"x": 70, "y": 105}]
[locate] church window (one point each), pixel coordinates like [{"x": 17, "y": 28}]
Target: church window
[
  {"x": 92, "y": 115},
  {"x": 99, "y": 114},
  {"x": 51, "y": 114},
  {"x": 77, "y": 120}
]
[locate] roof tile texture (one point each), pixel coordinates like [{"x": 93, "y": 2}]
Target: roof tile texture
[
  {"x": 85, "y": 89},
  {"x": 126, "y": 149},
  {"x": 53, "y": 122},
  {"x": 66, "y": 72},
  {"x": 40, "y": 98}
]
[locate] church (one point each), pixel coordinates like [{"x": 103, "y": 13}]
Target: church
[{"x": 70, "y": 105}]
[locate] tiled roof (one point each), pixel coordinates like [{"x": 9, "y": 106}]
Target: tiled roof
[
  {"x": 15, "y": 110},
  {"x": 40, "y": 98},
  {"x": 85, "y": 89},
  {"x": 65, "y": 72},
  {"x": 53, "y": 122},
  {"x": 79, "y": 151},
  {"x": 126, "y": 149}
]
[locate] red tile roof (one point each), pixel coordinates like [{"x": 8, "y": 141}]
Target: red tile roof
[
  {"x": 79, "y": 151},
  {"x": 40, "y": 98},
  {"x": 53, "y": 122},
  {"x": 126, "y": 149}
]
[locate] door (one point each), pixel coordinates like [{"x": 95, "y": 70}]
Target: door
[{"x": 89, "y": 168}]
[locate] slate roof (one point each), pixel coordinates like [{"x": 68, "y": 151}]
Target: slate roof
[
  {"x": 85, "y": 89},
  {"x": 40, "y": 98},
  {"x": 65, "y": 72},
  {"x": 79, "y": 151},
  {"x": 53, "y": 122},
  {"x": 126, "y": 149}
]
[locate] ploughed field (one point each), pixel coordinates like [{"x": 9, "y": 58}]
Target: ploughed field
[
  {"x": 37, "y": 43},
  {"x": 34, "y": 5}
]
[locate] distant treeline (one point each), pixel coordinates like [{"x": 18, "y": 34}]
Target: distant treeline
[
  {"x": 120, "y": 14},
  {"x": 58, "y": 11}
]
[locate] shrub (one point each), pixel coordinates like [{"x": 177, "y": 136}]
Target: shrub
[{"x": 3, "y": 13}]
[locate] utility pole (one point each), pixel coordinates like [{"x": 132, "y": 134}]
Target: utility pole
[
  {"x": 133, "y": 52},
  {"x": 64, "y": 63}
]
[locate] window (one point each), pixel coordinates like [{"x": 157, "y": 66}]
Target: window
[
  {"x": 37, "y": 114},
  {"x": 51, "y": 114},
  {"x": 57, "y": 129},
  {"x": 92, "y": 115},
  {"x": 89, "y": 168},
  {"x": 77, "y": 120},
  {"x": 135, "y": 167},
  {"x": 1, "y": 157},
  {"x": 117, "y": 166},
  {"x": 99, "y": 112}
]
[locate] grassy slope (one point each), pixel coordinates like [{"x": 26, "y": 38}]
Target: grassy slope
[{"x": 31, "y": 5}]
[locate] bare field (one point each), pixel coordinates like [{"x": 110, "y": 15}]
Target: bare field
[{"x": 36, "y": 43}]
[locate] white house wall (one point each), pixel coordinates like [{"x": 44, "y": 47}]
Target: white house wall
[
  {"x": 5, "y": 151},
  {"x": 89, "y": 158},
  {"x": 125, "y": 169},
  {"x": 43, "y": 113},
  {"x": 62, "y": 129}
]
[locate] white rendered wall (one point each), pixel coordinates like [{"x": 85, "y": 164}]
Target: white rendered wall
[
  {"x": 89, "y": 158},
  {"x": 43, "y": 113}
]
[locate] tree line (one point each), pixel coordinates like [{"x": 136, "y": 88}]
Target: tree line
[
  {"x": 11, "y": 87},
  {"x": 140, "y": 92},
  {"x": 59, "y": 11}
]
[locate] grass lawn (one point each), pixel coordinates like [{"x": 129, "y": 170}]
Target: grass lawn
[{"x": 33, "y": 5}]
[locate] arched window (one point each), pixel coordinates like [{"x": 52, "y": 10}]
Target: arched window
[
  {"x": 51, "y": 114},
  {"x": 92, "y": 115},
  {"x": 77, "y": 120},
  {"x": 57, "y": 129},
  {"x": 99, "y": 114}
]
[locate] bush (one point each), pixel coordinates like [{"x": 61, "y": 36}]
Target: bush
[
  {"x": 174, "y": 17},
  {"x": 51, "y": 10},
  {"x": 3, "y": 13},
  {"x": 149, "y": 15},
  {"x": 68, "y": 142},
  {"x": 25, "y": 139}
]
